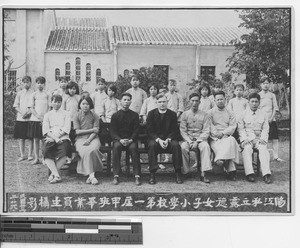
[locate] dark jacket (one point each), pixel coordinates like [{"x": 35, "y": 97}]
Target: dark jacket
[{"x": 162, "y": 128}]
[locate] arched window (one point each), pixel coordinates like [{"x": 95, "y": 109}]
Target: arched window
[
  {"x": 68, "y": 71},
  {"x": 88, "y": 72},
  {"x": 98, "y": 75},
  {"x": 57, "y": 74},
  {"x": 77, "y": 69}
]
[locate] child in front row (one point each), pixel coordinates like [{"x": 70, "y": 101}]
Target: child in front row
[
  {"x": 205, "y": 102},
  {"x": 21, "y": 104},
  {"x": 110, "y": 105},
  {"x": 70, "y": 104},
  {"x": 39, "y": 105},
  {"x": 268, "y": 104}
]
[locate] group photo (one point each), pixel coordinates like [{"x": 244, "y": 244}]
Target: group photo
[{"x": 113, "y": 110}]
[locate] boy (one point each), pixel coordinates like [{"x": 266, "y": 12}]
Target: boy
[
  {"x": 39, "y": 105},
  {"x": 268, "y": 104},
  {"x": 253, "y": 130},
  {"x": 138, "y": 95},
  {"x": 110, "y": 105},
  {"x": 62, "y": 87},
  {"x": 218, "y": 86},
  {"x": 21, "y": 104},
  {"x": 99, "y": 96},
  {"x": 175, "y": 101}
]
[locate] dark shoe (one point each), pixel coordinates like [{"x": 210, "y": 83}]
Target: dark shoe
[
  {"x": 178, "y": 178},
  {"x": 204, "y": 178},
  {"x": 267, "y": 178},
  {"x": 152, "y": 178},
  {"x": 138, "y": 181},
  {"x": 232, "y": 175},
  {"x": 116, "y": 180},
  {"x": 251, "y": 178}
]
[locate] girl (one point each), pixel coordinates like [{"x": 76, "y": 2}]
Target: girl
[
  {"x": 110, "y": 105},
  {"x": 86, "y": 124},
  {"x": 23, "y": 114},
  {"x": 40, "y": 105},
  {"x": 56, "y": 128},
  {"x": 205, "y": 102},
  {"x": 150, "y": 103}
]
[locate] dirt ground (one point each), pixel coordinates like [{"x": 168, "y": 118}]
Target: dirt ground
[{"x": 24, "y": 177}]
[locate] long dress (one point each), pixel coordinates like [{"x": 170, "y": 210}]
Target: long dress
[{"x": 90, "y": 156}]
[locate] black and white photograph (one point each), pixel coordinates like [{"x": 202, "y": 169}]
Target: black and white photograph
[{"x": 148, "y": 110}]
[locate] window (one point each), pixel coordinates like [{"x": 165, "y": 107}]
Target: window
[
  {"x": 88, "y": 72},
  {"x": 10, "y": 79},
  {"x": 57, "y": 74},
  {"x": 68, "y": 71},
  {"x": 98, "y": 75},
  {"x": 164, "y": 70},
  {"x": 77, "y": 69},
  {"x": 207, "y": 71}
]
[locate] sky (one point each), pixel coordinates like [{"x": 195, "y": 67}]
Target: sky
[{"x": 161, "y": 17}]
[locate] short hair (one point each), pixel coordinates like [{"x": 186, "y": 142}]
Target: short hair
[
  {"x": 160, "y": 95},
  {"x": 218, "y": 84},
  {"x": 126, "y": 94},
  {"x": 89, "y": 101},
  {"x": 239, "y": 86},
  {"x": 263, "y": 79},
  {"x": 254, "y": 95},
  {"x": 56, "y": 98},
  {"x": 71, "y": 85},
  {"x": 40, "y": 79},
  {"x": 85, "y": 92},
  {"x": 113, "y": 88},
  {"x": 172, "y": 81},
  {"x": 221, "y": 92},
  {"x": 26, "y": 77},
  {"x": 193, "y": 95},
  {"x": 205, "y": 85},
  {"x": 101, "y": 80},
  {"x": 135, "y": 76},
  {"x": 62, "y": 78},
  {"x": 155, "y": 85}
]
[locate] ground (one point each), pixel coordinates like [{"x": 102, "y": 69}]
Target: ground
[{"x": 24, "y": 177}]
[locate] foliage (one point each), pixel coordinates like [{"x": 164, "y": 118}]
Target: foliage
[
  {"x": 9, "y": 113},
  {"x": 265, "y": 49},
  {"x": 146, "y": 76}
]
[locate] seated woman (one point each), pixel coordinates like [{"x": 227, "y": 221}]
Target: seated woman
[
  {"x": 86, "y": 125},
  {"x": 56, "y": 128}
]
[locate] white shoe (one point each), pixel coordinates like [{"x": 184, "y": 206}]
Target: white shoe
[
  {"x": 195, "y": 165},
  {"x": 278, "y": 160}
]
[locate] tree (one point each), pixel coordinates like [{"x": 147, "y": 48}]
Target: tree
[{"x": 266, "y": 47}]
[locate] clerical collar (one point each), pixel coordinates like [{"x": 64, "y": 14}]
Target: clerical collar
[{"x": 162, "y": 111}]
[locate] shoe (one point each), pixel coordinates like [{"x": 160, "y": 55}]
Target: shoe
[
  {"x": 232, "y": 175},
  {"x": 204, "y": 178},
  {"x": 251, "y": 178},
  {"x": 195, "y": 165},
  {"x": 152, "y": 178},
  {"x": 30, "y": 158},
  {"x": 178, "y": 178},
  {"x": 56, "y": 179},
  {"x": 68, "y": 160},
  {"x": 279, "y": 160},
  {"x": 267, "y": 178},
  {"x": 36, "y": 161},
  {"x": 51, "y": 177},
  {"x": 116, "y": 180},
  {"x": 94, "y": 181},
  {"x": 220, "y": 162},
  {"x": 137, "y": 181},
  {"x": 162, "y": 167},
  {"x": 21, "y": 159}
]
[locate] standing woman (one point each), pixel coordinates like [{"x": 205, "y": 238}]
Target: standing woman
[
  {"x": 56, "y": 129},
  {"x": 86, "y": 125}
]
